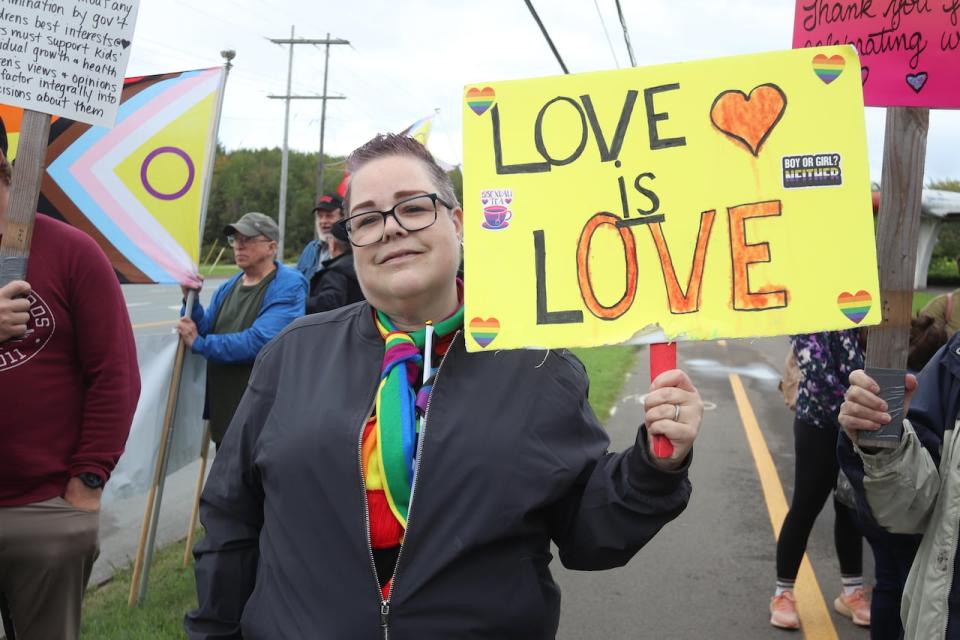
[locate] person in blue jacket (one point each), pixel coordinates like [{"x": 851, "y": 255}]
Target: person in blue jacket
[{"x": 246, "y": 312}]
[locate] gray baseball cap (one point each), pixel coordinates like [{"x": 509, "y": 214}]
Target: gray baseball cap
[{"x": 254, "y": 224}]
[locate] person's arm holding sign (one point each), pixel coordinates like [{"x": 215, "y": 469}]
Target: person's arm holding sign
[
  {"x": 14, "y": 310},
  {"x": 900, "y": 485},
  {"x": 673, "y": 410},
  {"x": 621, "y": 500}
]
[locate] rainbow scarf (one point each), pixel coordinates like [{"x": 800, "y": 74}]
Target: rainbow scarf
[{"x": 399, "y": 410}]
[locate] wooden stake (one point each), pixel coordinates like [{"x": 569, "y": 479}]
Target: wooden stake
[
  {"x": 148, "y": 527},
  {"x": 901, "y": 191},
  {"x": 217, "y": 261},
  {"x": 210, "y": 253},
  {"x": 204, "y": 451},
  {"x": 24, "y": 194}
]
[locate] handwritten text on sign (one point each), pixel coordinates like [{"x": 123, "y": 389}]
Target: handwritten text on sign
[
  {"x": 724, "y": 198},
  {"x": 66, "y": 57},
  {"x": 910, "y": 49}
]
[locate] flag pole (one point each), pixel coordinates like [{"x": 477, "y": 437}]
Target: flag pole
[
  {"x": 148, "y": 532},
  {"x": 204, "y": 454},
  {"x": 228, "y": 55},
  {"x": 141, "y": 564}
]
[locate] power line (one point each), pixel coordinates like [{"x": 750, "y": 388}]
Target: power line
[
  {"x": 288, "y": 97},
  {"x": 626, "y": 35},
  {"x": 603, "y": 23},
  {"x": 547, "y": 35}
]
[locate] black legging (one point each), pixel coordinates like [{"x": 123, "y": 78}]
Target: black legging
[{"x": 816, "y": 471}]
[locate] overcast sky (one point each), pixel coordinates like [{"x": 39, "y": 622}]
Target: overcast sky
[{"x": 407, "y": 58}]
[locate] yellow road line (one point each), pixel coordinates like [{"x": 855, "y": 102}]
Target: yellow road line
[
  {"x": 815, "y": 618},
  {"x": 147, "y": 325}
]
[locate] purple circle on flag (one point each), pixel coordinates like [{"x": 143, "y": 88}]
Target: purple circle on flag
[{"x": 191, "y": 173}]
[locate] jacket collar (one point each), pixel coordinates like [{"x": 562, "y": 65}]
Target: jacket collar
[
  {"x": 951, "y": 357},
  {"x": 331, "y": 261},
  {"x": 365, "y": 324}
]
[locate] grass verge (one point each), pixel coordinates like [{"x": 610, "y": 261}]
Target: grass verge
[
  {"x": 172, "y": 593},
  {"x": 220, "y": 270},
  {"x": 920, "y": 300},
  {"x": 607, "y": 367}
]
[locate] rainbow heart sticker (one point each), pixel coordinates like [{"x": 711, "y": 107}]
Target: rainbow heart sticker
[
  {"x": 484, "y": 331},
  {"x": 479, "y": 100},
  {"x": 828, "y": 69},
  {"x": 855, "y": 306}
]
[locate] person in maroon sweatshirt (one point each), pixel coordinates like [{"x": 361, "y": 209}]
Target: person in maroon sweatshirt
[{"x": 69, "y": 385}]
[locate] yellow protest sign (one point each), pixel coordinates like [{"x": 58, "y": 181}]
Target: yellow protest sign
[{"x": 691, "y": 201}]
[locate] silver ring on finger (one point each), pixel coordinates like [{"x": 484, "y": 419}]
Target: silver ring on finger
[{"x": 676, "y": 413}]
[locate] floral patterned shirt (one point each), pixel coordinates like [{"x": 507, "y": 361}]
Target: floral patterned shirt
[{"x": 826, "y": 360}]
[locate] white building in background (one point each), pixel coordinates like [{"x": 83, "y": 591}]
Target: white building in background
[{"x": 936, "y": 207}]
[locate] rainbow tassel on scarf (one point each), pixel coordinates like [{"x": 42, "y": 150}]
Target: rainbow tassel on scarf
[{"x": 399, "y": 410}]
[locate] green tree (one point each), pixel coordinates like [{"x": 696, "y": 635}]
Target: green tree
[
  {"x": 249, "y": 180},
  {"x": 948, "y": 241},
  {"x": 456, "y": 177}
]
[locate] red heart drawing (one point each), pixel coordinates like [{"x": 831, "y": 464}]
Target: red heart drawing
[{"x": 749, "y": 120}]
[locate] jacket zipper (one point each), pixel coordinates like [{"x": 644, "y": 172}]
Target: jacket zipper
[{"x": 385, "y": 604}]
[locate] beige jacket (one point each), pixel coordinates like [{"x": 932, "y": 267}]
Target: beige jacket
[{"x": 907, "y": 493}]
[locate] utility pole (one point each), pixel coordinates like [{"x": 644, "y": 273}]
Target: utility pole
[
  {"x": 323, "y": 113},
  {"x": 285, "y": 159}
]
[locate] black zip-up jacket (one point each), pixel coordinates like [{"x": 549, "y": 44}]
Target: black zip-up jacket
[
  {"x": 512, "y": 457},
  {"x": 334, "y": 286}
]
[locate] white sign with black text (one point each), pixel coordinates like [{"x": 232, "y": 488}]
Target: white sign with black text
[{"x": 67, "y": 58}]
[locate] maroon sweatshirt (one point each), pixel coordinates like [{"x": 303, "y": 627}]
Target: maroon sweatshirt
[{"x": 69, "y": 388}]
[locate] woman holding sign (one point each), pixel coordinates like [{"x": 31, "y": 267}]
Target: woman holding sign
[{"x": 420, "y": 499}]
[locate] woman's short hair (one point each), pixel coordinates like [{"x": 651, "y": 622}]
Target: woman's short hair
[
  {"x": 6, "y": 171},
  {"x": 392, "y": 144}
]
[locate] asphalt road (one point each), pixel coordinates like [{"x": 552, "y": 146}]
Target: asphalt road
[{"x": 710, "y": 573}]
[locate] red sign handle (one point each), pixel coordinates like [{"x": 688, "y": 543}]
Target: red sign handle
[{"x": 663, "y": 357}]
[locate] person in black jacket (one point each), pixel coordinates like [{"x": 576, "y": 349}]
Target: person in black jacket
[
  {"x": 336, "y": 284},
  {"x": 312, "y": 529}
]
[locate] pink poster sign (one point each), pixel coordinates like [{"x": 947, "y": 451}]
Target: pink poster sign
[{"x": 909, "y": 49}]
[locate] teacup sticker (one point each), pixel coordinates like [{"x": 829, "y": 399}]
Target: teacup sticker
[{"x": 496, "y": 208}]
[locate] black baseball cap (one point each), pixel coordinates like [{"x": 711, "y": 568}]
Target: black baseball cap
[
  {"x": 328, "y": 202},
  {"x": 339, "y": 231}
]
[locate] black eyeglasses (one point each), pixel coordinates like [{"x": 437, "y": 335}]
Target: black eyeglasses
[{"x": 413, "y": 214}]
